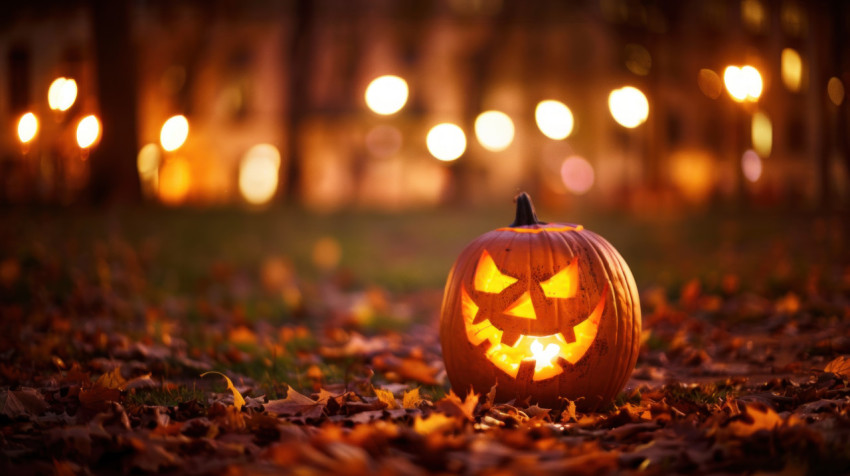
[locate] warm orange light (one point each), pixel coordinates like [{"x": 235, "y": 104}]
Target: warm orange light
[
  {"x": 27, "y": 127},
  {"x": 835, "y": 90},
  {"x": 545, "y": 351},
  {"x": 488, "y": 277},
  {"x": 554, "y": 119},
  {"x": 709, "y": 83},
  {"x": 446, "y": 141},
  {"x": 174, "y": 133},
  {"x": 743, "y": 84},
  {"x": 175, "y": 179},
  {"x": 62, "y": 94},
  {"x": 563, "y": 284},
  {"x": 88, "y": 131},
  {"x": 522, "y": 307},
  {"x": 792, "y": 69},
  {"x": 386, "y": 95},
  {"x": 258, "y": 173},
  {"x": 762, "y": 134},
  {"x": 628, "y": 106},
  {"x": 494, "y": 130}
]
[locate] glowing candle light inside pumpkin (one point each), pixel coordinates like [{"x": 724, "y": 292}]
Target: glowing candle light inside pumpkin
[{"x": 543, "y": 357}]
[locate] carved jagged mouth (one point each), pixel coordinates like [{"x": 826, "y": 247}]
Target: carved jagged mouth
[{"x": 545, "y": 351}]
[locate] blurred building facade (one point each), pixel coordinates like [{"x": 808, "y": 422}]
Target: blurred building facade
[{"x": 291, "y": 77}]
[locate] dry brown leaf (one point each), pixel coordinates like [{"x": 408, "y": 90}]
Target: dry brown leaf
[
  {"x": 295, "y": 404},
  {"x": 238, "y": 400},
  {"x": 757, "y": 417},
  {"x": 452, "y": 405},
  {"x": 112, "y": 379},
  {"x": 24, "y": 402},
  {"x": 839, "y": 366}
]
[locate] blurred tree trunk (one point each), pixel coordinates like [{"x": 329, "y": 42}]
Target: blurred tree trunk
[
  {"x": 113, "y": 165},
  {"x": 298, "y": 97}
]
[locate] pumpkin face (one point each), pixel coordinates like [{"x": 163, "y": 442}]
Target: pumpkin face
[{"x": 543, "y": 311}]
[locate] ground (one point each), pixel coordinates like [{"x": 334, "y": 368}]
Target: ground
[{"x": 321, "y": 333}]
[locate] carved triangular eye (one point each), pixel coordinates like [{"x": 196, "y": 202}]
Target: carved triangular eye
[
  {"x": 564, "y": 284},
  {"x": 488, "y": 278}
]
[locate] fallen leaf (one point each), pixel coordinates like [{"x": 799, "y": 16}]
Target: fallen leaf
[
  {"x": 238, "y": 400},
  {"x": 24, "y": 402},
  {"x": 411, "y": 398},
  {"x": 435, "y": 422},
  {"x": 295, "y": 404},
  {"x": 387, "y": 397},
  {"x": 452, "y": 405},
  {"x": 112, "y": 379},
  {"x": 839, "y": 366}
]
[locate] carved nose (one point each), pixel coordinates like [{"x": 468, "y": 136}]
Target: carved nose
[{"x": 522, "y": 307}]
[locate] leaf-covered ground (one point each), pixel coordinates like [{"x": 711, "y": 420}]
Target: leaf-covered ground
[{"x": 320, "y": 336}]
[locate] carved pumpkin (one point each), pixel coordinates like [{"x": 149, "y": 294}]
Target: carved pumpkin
[{"x": 544, "y": 311}]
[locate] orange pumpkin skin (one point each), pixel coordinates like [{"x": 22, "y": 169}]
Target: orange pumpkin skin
[{"x": 503, "y": 306}]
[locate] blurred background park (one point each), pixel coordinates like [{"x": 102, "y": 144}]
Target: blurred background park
[{"x": 382, "y": 135}]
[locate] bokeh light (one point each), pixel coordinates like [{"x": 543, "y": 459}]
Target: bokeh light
[
  {"x": 694, "y": 173},
  {"x": 629, "y": 106},
  {"x": 446, "y": 141},
  {"x": 554, "y": 119},
  {"x": 27, "y": 127},
  {"x": 709, "y": 83},
  {"x": 638, "y": 59},
  {"x": 743, "y": 83},
  {"x": 762, "y": 134},
  {"x": 258, "y": 173},
  {"x": 386, "y": 95},
  {"x": 835, "y": 90},
  {"x": 174, "y": 133},
  {"x": 327, "y": 253},
  {"x": 61, "y": 94},
  {"x": 577, "y": 175},
  {"x": 792, "y": 69},
  {"x": 88, "y": 131},
  {"x": 175, "y": 179},
  {"x": 494, "y": 130},
  {"x": 751, "y": 165},
  {"x": 148, "y": 160},
  {"x": 383, "y": 141}
]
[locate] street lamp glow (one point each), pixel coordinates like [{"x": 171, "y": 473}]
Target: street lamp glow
[
  {"x": 554, "y": 119},
  {"x": 446, "y": 141},
  {"x": 494, "y": 130},
  {"x": 629, "y": 106},
  {"x": 61, "y": 94},
  {"x": 743, "y": 83},
  {"x": 27, "y": 127},
  {"x": 88, "y": 131},
  {"x": 174, "y": 133},
  {"x": 386, "y": 95},
  {"x": 258, "y": 173},
  {"x": 762, "y": 134}
]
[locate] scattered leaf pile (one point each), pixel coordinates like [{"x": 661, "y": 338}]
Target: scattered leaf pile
[{"x": 110, "y": 362}]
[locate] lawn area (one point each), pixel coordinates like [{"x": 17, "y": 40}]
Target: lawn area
[{"x": 327, "y": 323}]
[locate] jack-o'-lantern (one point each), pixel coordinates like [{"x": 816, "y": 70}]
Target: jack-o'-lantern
[{"x": 543, "y": 311}]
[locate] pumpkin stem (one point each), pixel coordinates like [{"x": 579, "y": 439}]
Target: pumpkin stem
[{"x": 525, "y": 214}]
